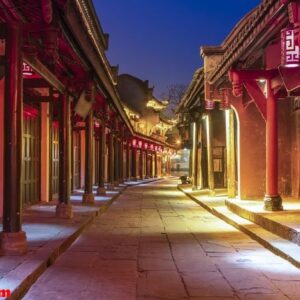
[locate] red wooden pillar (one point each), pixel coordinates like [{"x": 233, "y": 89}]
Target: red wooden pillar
[
  {"x": 101, "y": 188},
  {"x": 133, "y": 163},
  {"x": 272, "y": 200},
  {"x": 155, "y": 165},
  {"x": 128, "y": 160},
  {"x": 267, "y": 106},
  {"x": 12, "y": 238},
  {"x": 116, "y": 160},
  {"x": 147, "y": 164},
  {"x": 141, "y": 164},
  {"x": 64, "y": 208},
  {"x": 121, "y": 156},
  {"x": 151, "y": 164},
  {"x": 88, "y": 196},
  {"x": 111, "y": 160}
]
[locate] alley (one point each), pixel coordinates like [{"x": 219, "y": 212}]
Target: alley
[{"x": 155, "y": 243}]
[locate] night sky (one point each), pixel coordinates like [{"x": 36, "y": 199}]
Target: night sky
[{"x": 159, "y": 40}]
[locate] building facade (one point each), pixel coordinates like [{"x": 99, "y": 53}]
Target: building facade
[
  {"x": 248, "y": 106},
  {"x": 63, "y": 124}
]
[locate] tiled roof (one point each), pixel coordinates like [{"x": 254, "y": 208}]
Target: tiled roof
[{"x": 244, "y": 34}]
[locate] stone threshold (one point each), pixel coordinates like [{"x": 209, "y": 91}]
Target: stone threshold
[
  {"x": 219, "y": 206},
  {"x": 35, "y": 262}
]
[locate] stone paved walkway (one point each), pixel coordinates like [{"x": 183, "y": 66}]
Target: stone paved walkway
[{"x": 155, "y": 243}]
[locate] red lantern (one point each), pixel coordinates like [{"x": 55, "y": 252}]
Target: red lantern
[
  {"x": 290, "y": 55},
  {"x": 140, "y": 144},
  {"x": 151, "y": 146},
  {"x": 134, "y": 143},
  {"x": 209, "y": 104},
  {"x": 146, "y": 146},
  {"x": 155, "y": 147}
]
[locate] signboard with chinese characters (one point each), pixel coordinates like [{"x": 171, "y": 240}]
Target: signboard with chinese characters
[{"x": 290, "y": 55}]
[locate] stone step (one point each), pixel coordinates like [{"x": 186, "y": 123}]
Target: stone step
[
  {"x": 264, "y": 220},
  {"x": 278, "y": 245}
]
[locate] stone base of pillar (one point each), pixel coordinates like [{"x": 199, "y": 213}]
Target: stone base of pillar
[
  {"x": 110, "y": 187},
  {"x": 212, "y": 193},
  {"x": 133, "y": 179},
  {"x": 272, "y": 203},
  {"x": 101, "y": 191},
  {"x": 116, "y": 183},
  {"x": 88, "y": 198},
  {"x": 13, "y": 243},
  {"x": 64, "y": 211},
  {"x": 147, "y": 177}
]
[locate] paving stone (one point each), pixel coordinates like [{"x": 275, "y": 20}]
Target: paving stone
[
  {"x": 210, "y": 284},
  {"x": 154, "y": 243},
  {"x": 163, "y": 284}
]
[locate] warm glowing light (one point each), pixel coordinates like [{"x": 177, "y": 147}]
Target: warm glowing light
[
  {"x": 134, "y": 143},
  {"x": 178, "y": 142},
  {"x": 140, "y": 143}
]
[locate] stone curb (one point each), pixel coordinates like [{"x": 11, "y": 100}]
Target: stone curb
[
  {"x": 25, "y": 275},
  {"x": 279, "y": 246},
  {"x": 281, "y": 230}
]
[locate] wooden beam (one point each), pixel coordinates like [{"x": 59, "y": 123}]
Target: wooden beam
[
  {"x": 32, "y": 83},
  {"x": 37, "y": 99},
  {"x": 40, "y": 68},
  {"x": 257, "y": 95}
]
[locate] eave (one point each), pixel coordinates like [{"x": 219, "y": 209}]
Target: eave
[{"x": 251, "y": 34}]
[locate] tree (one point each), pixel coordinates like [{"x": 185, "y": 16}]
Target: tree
[{"x": 173, "y": 95}]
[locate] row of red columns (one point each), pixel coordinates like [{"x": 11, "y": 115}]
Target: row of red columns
[{"x": 13, "y": 239}]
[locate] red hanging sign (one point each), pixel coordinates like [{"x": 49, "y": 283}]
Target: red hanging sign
[
  {"x": 290, "y": 54},
  {"x": 27, "y": 70}
]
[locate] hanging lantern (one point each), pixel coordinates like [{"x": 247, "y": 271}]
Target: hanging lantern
[
  {"x": 224, "y": 104},
  {"x": 290, "y": 55},
  {"x": 146, "y": 146},
  {"x": 140, "y": 144},
  {"x": 27, "y": 70},
  {"x": 134, "y": 143},
  {"x": 151, "y": 146},
  {"x": 209, "y": 104},
  {"x": 155, "y": 147}
]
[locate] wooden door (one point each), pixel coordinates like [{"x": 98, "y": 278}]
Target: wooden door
[
  {"x": 31, "y": 155},
  {"x": 76, "y": 160},
  {"x": 55, "y": 159},
  {"x": 96, "y": 160}
]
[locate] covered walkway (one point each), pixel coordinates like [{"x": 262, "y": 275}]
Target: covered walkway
[{"x": 155, "y": 243}]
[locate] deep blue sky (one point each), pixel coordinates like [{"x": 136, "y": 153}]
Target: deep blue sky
[{"x": 159, "y": 40}]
